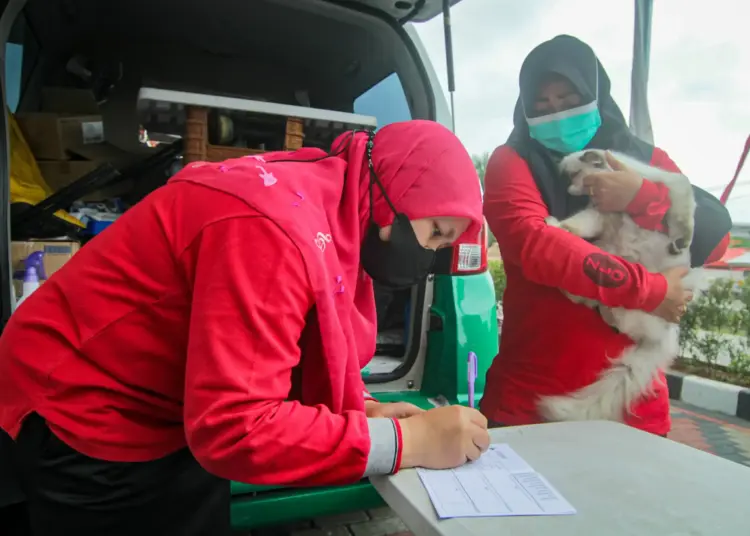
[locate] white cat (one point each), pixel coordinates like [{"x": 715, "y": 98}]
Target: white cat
[{"x": 631, "y": 374}]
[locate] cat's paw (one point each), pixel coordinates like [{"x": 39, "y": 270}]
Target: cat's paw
[
  {"x": 565, "y": 225},
  {"x": 577, "y": 189},
  {"x": 678, "y": 246},
  {"x": 572, "y": 229},
  {"x": 568, "y": 225}
]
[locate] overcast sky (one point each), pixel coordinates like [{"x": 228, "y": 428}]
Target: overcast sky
[{"x": 699, "y": 84}]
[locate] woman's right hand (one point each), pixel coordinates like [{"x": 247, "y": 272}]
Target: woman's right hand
[
  {"x": 443, "y": 438},
  {"x": 677, "y": 297}
]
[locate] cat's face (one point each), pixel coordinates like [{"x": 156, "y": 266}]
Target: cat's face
[{"x": 578, "y": 165}]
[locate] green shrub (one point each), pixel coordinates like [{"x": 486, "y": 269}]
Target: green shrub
[
  {"x": 498, "y": 277},
  {"x": 718, "y": 321},
  {"x": 490, "y": 238}
]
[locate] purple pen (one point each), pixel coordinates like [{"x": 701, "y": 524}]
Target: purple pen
[{"x": 472, "y": 376}]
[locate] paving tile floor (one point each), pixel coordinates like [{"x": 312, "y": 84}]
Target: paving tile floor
[{"x": 712, "y": 432}]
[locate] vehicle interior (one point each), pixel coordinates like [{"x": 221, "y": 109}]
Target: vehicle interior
[{"x": 343, "y": 57}]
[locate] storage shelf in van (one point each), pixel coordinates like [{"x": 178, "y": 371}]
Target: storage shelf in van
[{"x": 166, "y": 108}]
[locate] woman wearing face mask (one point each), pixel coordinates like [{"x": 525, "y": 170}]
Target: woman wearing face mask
[
  {"x": 549, "y": 345},
  {"x": 217, "y": 330}
]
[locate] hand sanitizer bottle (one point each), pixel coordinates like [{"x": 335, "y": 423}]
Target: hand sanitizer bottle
[{"x": 31, "y": 275}]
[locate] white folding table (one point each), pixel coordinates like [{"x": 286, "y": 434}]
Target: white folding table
[{"x": 620, "y": 480}]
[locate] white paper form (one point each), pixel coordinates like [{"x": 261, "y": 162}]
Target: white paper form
[{"x": 499, "y": 483}]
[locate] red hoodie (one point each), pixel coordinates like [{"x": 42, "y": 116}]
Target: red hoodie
[
  {"x": 228, "y": 311},
  {"x": 549, "y": 345}
]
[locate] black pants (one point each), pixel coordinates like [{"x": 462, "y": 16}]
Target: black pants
[{"x": 71, "y": 494}]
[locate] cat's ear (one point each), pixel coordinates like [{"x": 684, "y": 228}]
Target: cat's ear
[{"x": 594, "y": 158}]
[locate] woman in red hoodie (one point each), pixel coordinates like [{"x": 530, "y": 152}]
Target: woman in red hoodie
[
  {"x": 549, "y": 345},
  {"x": 217, "y": 331}
]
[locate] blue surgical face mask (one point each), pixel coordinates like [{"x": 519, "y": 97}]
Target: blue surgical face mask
[{"x": 567, "y": 131}]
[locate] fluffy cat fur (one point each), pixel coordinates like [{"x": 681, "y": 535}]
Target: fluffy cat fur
[{"x": 631, "y": 374}]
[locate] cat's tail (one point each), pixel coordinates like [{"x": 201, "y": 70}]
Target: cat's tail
[{"x": 610, "y": 397}]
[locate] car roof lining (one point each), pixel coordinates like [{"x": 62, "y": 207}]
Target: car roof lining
[{"x": 223, "y": 36}]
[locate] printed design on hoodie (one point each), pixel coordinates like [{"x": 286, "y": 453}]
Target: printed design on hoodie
[{"x": 322, "y": 240}]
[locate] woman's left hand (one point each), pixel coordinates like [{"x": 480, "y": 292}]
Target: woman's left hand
[
  {"x": 613, "y": 191},
  {"x": 393, "y": 410}
]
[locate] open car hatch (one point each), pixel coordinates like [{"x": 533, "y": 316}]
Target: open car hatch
[{"x": 403, "y": 11}]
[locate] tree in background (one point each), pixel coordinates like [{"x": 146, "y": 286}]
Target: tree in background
[{"x": 480, "y": 163}]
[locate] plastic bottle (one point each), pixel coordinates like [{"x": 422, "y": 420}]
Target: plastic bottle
[{"x": 34, "y": 269}]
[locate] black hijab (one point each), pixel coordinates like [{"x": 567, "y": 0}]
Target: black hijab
[{"x": 569, "y": 57}]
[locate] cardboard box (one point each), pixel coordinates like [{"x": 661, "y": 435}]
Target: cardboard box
[
  {"x": 69, "y": 120},
  {"x": 52, "y": 136},
  {"x": 56, "y": 253},
  {"x": 61, "y": 173}
]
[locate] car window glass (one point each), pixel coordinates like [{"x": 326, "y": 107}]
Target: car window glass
[
  {"x": 13, "y": 68},
  {"x": 386, "y": 101},
  {"x": 21, "y": 54}
]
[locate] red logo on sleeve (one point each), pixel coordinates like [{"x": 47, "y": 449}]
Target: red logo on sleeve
[{"x": 604, "y": 270}]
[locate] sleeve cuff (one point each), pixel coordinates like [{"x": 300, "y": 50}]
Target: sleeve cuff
[
  {"x": 658, "y": 291},
  {"x": 399, "y": 446},
  {"x": 385, "y": 447},
  {"x": 645, "y": 196}
]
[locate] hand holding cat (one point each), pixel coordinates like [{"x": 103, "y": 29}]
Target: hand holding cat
[
  {"x": 613, "y": 191},
  {"x": 677, "y": 297}
]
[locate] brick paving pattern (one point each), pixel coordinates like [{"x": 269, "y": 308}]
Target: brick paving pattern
[
  {"x": 715, "y": 433},
  {"x": 712, "y": 432}
]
